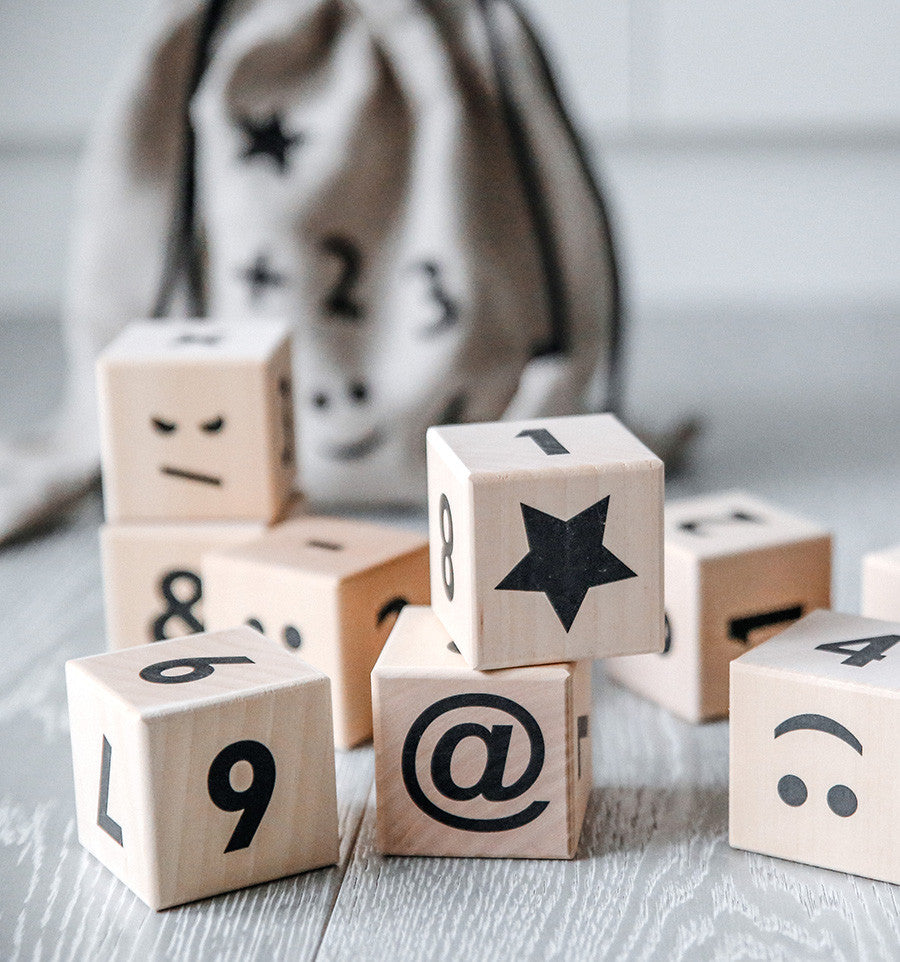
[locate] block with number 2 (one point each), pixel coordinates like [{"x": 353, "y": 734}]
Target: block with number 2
[
  {"x": 202, "y": 764},
  {"x": 546, "y": 540}
]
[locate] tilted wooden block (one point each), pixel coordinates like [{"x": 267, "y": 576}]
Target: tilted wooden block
[
  {"x": 152, "y": 582},
  {"x": 477, "y": 763},
  {"x": 815, "y": 735},
  {"x": 737, "y": 571},
  {"x": 546, "y": 540},
  {"x": 202, "y": 764},
  {"x": 881, "y": 584},
  {"x": 196, "y": 421},
  {"x": 329, "y": 589}
]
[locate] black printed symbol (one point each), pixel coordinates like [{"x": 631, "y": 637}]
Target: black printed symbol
[
  {"x": 266, "y": 138},
  {"x": 341, "y": 301},
  {"x": 872, "y": 649},
  {"x": 203, "y": 340},
  {"x": 740, "y": 629},
  {"x": 792, "y": 789},
  {"x": 695, "y": 527},
  {"x": 392, "y": 607},
  {"x": 285, "y": 393},
  {"x": 291, "y": 635},
  {"x": 490, "y": 785},
  {"x": 255, "y": 623},
  {"x": 449, "y": 309},
  {"x": 454, "y": 411},
  {"x": 324, "y": 545},
  {"x": 565, "y": 559},
  {"x": 360, "y": 447},
  {"x": 111, "y": 827},
  {"x": 445, "y": 523},
  {"x": 544, "y": 440},
  {"x": 667, "y": 647},
  {"x": 582, "y": 733},
  {"x": 260, "y": 277},
  {"x": 451, "y": 646},
  {"x": 163, "y": 426},
  {"x": 180, "y": 609},
  {"x": 201, "y": 666},
  {"x": 253, "y": 801}
]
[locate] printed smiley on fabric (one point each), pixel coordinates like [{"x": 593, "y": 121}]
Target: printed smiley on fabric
[{"x": 354, "y": 436}]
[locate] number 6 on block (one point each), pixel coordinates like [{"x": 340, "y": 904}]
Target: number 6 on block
[{"x": 170, "y": 741}]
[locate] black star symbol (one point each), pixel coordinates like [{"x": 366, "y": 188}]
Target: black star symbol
[
  {"x": 260, "y": 276},
  {"x": 565, "y": 558},
  {"x": 266, "y": 138}
]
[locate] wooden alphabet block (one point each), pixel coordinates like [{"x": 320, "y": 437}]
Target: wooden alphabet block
[
  {"x": 477, "y": 763},
  {"x": 815, "y": 716},
  {"x": 202, "y": 764},
  {"x": 737, "y": 571},
  {"x": 881, "y": 584},
  {"x": 196, "y": 421},
  {"x": 328, "y": 589},
  {"x": 546, "y": 540}
]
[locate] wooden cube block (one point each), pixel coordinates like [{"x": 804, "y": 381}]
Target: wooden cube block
[
  {"x": 328, "y": 589},
  {"x": 202, "y": 764},
  {"x": 196, "y": 421},
  {"x": 815, "y": 716},
  {"x": 477, "y": 763},
  {"x": 737, "y": 571},
  {"x": 546, "y": 540},
  {"x": 881, "y": 584}
]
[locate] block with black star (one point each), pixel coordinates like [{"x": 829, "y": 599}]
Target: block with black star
[{"x": 546, "y": 540}]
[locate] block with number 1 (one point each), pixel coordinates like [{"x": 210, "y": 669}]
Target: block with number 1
[{"x": 546, "y": 540}]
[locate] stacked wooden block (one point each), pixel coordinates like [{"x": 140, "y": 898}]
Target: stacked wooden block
[{"x": 546, "y": 552}]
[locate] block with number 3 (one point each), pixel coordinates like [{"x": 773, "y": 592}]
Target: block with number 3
[
  {"x": 202, "y": 764},
  {"x": 546, "y": 540}
]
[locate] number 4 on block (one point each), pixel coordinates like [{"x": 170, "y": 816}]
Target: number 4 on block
[{"x": 202, "y": 764}]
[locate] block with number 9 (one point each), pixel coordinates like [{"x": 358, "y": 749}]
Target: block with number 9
[
  {"x": 546, "y": 540},
  {"x": 202, "y": 764}
]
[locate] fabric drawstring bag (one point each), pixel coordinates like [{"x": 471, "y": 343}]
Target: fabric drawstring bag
[{"x": 397, "y": 177}]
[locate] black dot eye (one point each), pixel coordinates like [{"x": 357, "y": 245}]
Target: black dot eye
[
  {"x": 164, "y": 427},
  {"x": 842, "y": 800},
  {"x": 292, "y": 637},
  {"x": 213, "y": 426},
  {"x": 320, "y": 400},
  {"x": 358, "y": 392},
  {"x": 792, "y": 790},
  {"x": 257, "y": 624}
]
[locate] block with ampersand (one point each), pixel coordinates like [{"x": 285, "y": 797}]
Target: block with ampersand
[
  {"x": 476, "y": 763},
  {"x": 881, "y": 584},
  {"x": 546, "y": 540},
  {"x": 815, "y": 717},
  {"x": 737, "y": 571},
  {"x": 328, "y": 589},
  {"x": 202, "y": 764},
  {"x": 196, "y": 421}
]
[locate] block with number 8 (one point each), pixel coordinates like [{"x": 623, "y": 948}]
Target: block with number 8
[
  {"x": 546, "y": 540},
  {"x": 202, "y": 764}
]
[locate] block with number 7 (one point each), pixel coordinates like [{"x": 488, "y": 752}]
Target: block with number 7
[
  {"x": 546, "y": 540},
  {"x": 202, "y": 764}
]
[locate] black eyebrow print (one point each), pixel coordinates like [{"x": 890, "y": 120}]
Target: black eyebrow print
[{"x": 820, "y": 723}]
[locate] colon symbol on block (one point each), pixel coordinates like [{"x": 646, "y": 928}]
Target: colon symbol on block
[{"x": 466, "y": 760}]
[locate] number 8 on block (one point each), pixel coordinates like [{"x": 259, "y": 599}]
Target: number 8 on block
[{"x": 202, "y": 764}]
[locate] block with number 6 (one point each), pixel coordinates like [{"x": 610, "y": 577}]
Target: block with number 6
[
  {"x": 202, "y": 764},
  {"x": 546, "y": 540}
]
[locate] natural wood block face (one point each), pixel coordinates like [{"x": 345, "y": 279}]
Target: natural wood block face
[
  {"x": 328, "y": 589},
  {"x": 476, "y": 763},
  {"x": 881, "y": 585},
  {"x": 815, "y": 715},
  {"x": 197, "y": 421},
  {"x": 737, "y": 571},
  {"x": 546, "y": 540},
  {"x": 200, "y": 776}
]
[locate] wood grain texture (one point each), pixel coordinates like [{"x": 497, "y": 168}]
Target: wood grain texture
[{"x": 881, "y": 584}]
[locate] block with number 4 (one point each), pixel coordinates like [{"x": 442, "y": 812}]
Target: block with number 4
[
  {"x": 328, "y": 589},
  {"x": 546, "y": 540},
  {"x": 202, "y": 764},
  {"x": 196, "y": 421},
  {"x": 815, "y": 735},
  {"x": 881, "y": 584},
  {"x": 477, "y": 763},
  {"x": 737, "y": 571}
]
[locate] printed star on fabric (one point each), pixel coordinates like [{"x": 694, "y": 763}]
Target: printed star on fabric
[
  {"x": 266, "y": 138},
  {"x": 565, "y": 559},
  {"x": 259, "y": 276}
]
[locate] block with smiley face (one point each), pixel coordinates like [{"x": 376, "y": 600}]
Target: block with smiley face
[
  {"x": 546, "y": 540},
  {"x": 328, "y": 589},
  {"x": 815, "y": 716},
  {"x": 737, "y": 571},
  {"x": 475, "y": 763},
  {"x": 197, "y": 421},
  {"x": 881, "y": 584}
]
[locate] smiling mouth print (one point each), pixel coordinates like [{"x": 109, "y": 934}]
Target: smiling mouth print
[
  {"x": 363, "y": 446},
  {"x": 190, "y": 475}
]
